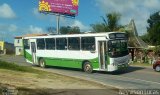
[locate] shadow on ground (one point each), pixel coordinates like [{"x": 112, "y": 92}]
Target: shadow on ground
[
  {"x": 128, "y": 70},
  {"x": 119, "y": 72},
  {"x": 65, "y": 68},
  {"x": 67, "y": 92}
]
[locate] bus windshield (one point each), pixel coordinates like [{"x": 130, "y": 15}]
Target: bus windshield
[{"x": 117, "y": 48}]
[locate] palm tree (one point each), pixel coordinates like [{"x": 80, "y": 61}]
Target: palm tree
[{"x": 110, "y": 23}]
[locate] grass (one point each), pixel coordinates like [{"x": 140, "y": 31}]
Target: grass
[
  {"x": 42, "y": 91},
  {"x": 15, "y": 67}
]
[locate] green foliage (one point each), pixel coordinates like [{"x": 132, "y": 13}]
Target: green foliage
[
  {"x": 51, "y": 29},
  {"x": 157, "y": 50},
  {"x": 70, "y": 30},
  {"x": 99, "y": 27},
  {"x": 12, "y": 66},
  {"x": 154, "y": 28},
  {"x": 110, "y": 23},
  {"x": 75, "y": 30},
  {"x": 65, "y": 30},
  {"x": 145, "y": 38},
  {"x": 113, "y": 19}
]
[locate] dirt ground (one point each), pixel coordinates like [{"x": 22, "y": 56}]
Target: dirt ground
[{"x": 47, "y": 84}]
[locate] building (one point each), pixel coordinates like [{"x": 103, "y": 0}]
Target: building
[
  {"x": 18, "y": 42},
  {"x": 2, "y": 47},
  {"x": 6, "y": 48}
]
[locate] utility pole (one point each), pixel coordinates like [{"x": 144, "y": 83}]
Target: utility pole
[{"x": 58, "y": 19}]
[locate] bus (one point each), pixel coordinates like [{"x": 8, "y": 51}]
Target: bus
[{"x": 89, "y": 52}]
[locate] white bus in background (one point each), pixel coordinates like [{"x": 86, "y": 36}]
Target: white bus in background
[{"x": 97, "y": 51}]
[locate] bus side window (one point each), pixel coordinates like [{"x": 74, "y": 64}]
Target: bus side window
[
  {"x": 40, "y": 44},
  {"x": 74, "y": 43},
  {"x": 50, "y": 43},
  {"x": 61, "y": 43},
  {"x": 88, "y": 43}
]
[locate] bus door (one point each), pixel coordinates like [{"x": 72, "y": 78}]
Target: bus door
[
  {"x": 102, "y": 54},
  {"x": 33, "y": 51}
]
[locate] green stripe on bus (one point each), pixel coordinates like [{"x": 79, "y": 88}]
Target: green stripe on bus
[
  {"x": 73, "y": 63},
  {"x": 27, "y": 56}
]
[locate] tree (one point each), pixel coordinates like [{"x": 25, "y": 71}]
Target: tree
[
  {"x": 69, "y": 30},
  {"x": 75, "y": 30},
  {"x": 110, "y": 23},
  {"x": 99, "y": 27},
  {"x": 145, "y": 38},
  {"x": 51, "y": 29},
  {"x": 65, "y": 29},
  {"x": 154, "y": 28}
]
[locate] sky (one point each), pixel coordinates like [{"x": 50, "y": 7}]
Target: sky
[{"x": 20, "y": 17}]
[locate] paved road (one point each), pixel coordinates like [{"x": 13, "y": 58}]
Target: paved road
[
  {"x": 133, "y": 78},
  {"x": 14, "y": 59}
]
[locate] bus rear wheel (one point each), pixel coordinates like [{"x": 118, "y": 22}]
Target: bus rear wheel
[
  {"x": 42, "y": 63},
  {"x": 87, "y": 67}
]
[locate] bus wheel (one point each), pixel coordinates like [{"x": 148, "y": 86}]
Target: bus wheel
[
  {"x": 42, "y": 63},
  {"x": 87, "y": 67}
]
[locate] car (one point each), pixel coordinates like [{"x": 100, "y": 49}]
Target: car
[{"x": 156, "y": 65}]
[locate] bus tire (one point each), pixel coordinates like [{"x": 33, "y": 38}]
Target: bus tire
[
  {"x": 87, "y": 67},
  {"x": 42, "y": 63}
]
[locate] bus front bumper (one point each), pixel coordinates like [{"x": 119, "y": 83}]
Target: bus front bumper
[{"x": 112, "y": 68}]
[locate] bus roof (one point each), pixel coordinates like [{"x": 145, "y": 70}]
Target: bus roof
[{"x": 73, "y": 35}]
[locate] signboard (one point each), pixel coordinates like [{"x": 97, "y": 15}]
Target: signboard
[
  {"x": 117, "y": 36},
  {"x": 64, "y": 7}
]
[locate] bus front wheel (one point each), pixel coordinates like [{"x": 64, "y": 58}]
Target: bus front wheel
[
  {"x": 42, "y": 63},
  {"x": 87, "y": 67}
]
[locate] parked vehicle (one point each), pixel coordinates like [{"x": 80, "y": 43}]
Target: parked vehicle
[{"x": 156, "y": 65}]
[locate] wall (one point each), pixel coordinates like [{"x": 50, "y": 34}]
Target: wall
[
  {"x": 1, "y": 45},
  {"x": 18, "y": 43}
]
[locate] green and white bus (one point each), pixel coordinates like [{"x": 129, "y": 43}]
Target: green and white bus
[{"x": 93, "y": 51}]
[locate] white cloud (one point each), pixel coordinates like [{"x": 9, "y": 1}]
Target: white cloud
[
  {"x": 12, "y": 30},
  {"x": 43, "y": 16},
  {"x": 152, "y": 3},
  {"x": 6, "y": 11},
  {"x": 34, "y": 30},
  {"x": 8, "y": 28},
  {"x": 7, "y": 32},
  {"x": 82, "y": 27},
  {"x": 139, "y": 10},
  {"x": 37, "y": 14}
]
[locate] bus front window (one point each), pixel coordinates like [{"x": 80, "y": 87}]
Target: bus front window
[{"x": 117, "y": 48}]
